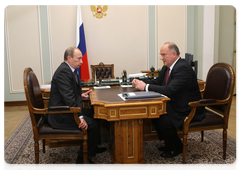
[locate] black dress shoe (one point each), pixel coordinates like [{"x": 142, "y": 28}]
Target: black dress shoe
[
  {"x": 100, "y": 150},
  {"x": 170, "y": 154},
  {"x": 80, "y": 161},
  {"x": 90, "y": 164}
]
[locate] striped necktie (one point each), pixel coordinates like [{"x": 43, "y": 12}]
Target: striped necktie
[{"x": 167, "y": 76}]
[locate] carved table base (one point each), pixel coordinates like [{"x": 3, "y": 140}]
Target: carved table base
[{"x": 127, "y": 141}]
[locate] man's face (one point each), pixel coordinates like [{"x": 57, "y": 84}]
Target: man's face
[
  {"x": 167, "y": 56},
  {"x": 76, "y": 60}
]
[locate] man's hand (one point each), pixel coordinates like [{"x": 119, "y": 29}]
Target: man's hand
[
  {"x": 85, "y": 96},
  {"x": 138, "y": 84},
  {"x": 83, "y": 124}
]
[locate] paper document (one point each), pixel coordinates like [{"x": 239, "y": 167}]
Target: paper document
[
  {"x": 102, "y": 87},
  {"x": 138, "y": 75},
  {"x": 141, "y": 94},
  {"x": 46, "y": 86},
  {"x": 120, "y": 95},
  {"x": 126, "y": 85}
]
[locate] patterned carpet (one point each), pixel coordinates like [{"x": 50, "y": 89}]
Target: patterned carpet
[{"x": 19, "y": 149}]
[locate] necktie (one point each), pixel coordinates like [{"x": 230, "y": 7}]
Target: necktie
[
  {"x": 76, "y": 76},
  {"x": 167, "y": 76}
]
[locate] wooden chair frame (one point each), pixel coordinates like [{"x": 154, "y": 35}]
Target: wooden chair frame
[
  {"x": 40, "y": 112},
  {"x": 208, "y": 103}
]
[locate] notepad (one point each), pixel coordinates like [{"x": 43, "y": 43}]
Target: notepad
[{"x": 141, "y": 94}]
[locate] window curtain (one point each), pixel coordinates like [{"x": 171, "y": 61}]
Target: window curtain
[{"x": 236, "y": 64}]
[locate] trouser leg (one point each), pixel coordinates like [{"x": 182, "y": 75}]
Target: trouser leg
[
  {"x": 169, "y": 133},
  {"x": 156, "y": 123},
  {"x": 93, "y": 136},
  {"x": 90, "y": 113}
]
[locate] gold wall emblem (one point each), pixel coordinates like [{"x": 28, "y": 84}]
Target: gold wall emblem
[{"x": 99, "y": 11}]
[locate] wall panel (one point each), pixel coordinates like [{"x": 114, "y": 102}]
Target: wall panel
[
  {"x": 62, "y": 25},
  {"x": 121, "y": 37},
  {"x": 22, "y": 44},
  {"x": 208, "y": 39}
]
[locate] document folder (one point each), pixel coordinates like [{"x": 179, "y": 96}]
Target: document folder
[{"x": 141, "y": 94}]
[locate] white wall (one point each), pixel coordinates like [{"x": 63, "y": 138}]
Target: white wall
[
  {"x": 62, "y": 32},
  {"x": 121, "y": 38},
  {"x": 171, "y": 27}
]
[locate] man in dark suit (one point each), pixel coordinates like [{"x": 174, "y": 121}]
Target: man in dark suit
[
  {"x": 66, "y": 90},
  {"x": 178, "y": 81}
]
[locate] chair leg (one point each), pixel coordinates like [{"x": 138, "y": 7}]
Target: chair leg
[
  {"x": 36, "y": 146},
  {"x": 43, "y": 145},
  {"x": 224, "y": 143},
  {"x": 202, "y": 135},
  {"x": 85, "y": 151},
  {"x": 184, "y": 148}
]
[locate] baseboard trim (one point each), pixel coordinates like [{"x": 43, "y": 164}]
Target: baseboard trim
[{"x": 16, "y": 103}]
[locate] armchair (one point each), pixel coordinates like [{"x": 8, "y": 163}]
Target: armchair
[
  {"x": 43, "y": 131},
  {"x": 102, "y": 70},
  {"x": 217, "y": 99}
]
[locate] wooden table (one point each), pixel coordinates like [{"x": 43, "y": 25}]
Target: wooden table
[
  {"x": 149, "y": 133},
  {"x": 126, "y": 117}
]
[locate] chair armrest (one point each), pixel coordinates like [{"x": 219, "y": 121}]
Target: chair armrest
[
  {"x": 62, "y": 109},
  {"x": 58, "y": 108},
  {"x": 66, "y": 109},
  {"x": 195, "y": 104},
  {"x": 208, "y": 101}
]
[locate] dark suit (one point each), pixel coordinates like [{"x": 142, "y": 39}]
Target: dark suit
[
  {"x": 182, "y": 88},
  {"x": 65, "y": 91}
]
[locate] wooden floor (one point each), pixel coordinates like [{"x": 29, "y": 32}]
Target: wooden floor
[{"x": 13, "y": 115}]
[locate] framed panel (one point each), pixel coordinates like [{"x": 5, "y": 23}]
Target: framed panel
[{"x": 23, "y": 44}]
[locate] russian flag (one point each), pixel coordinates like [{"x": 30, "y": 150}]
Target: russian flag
[{"x": 84, "y": 69}]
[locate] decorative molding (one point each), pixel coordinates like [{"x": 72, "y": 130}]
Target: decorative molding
[
  {"x": 14, "y": 86},
  {"x": 50, "y": 39},
  {"x": 128, "y": 142},
  {"x": 208, "y": 39},
  {"x": 40, "y": 44}
]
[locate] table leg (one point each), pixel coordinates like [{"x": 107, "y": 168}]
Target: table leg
[{"x": 127, "y": 141}]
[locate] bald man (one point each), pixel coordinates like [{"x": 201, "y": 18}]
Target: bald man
[{"x": 178, "y": 81}]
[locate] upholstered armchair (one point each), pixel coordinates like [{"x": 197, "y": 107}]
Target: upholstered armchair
[
  {"x": 105, "y": 71},
  {"x": 42, "y": 130},
  {"x": 217, "y": 99}
]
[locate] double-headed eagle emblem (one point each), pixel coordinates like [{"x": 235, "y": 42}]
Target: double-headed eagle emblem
[{"x": 99, "y": 11}]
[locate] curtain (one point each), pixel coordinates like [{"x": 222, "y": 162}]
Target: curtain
[{"x": 236, "y": 64}]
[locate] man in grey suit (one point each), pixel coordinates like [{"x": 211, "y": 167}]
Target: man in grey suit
[
  {"x": 66, "y": 90},
  {"x": 178, "y": 81}
]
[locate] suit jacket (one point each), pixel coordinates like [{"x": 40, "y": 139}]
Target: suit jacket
[
  {"x": 182, "y": 88},
  {"x": 64, "y": 92}
]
